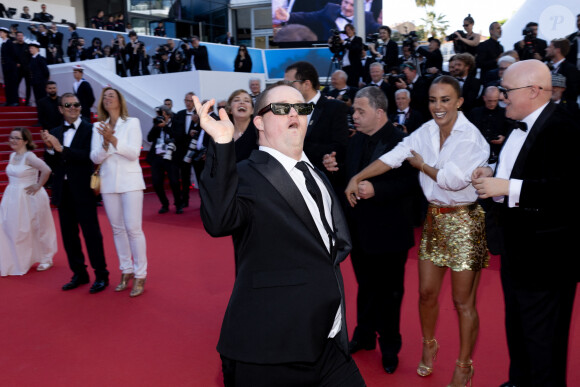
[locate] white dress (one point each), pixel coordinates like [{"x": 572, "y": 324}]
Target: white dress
[{"x": 27, "y": 232}]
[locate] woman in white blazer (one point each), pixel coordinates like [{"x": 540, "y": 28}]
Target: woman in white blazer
[{"x": 116, "y": 145}]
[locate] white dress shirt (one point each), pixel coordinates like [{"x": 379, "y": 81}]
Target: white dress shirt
[
  {"x": 314, "y": 100},
  {"x": 297, "y": 176},
  {"x": 509, "y": 154},
  {"x": 464, "y": 150}
]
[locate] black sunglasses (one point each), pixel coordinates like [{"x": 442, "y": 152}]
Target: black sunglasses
[
  {"x": 68, "y": 105},
  {"x": 281, "y": 109},
  {"x": 505, "y": 91}
]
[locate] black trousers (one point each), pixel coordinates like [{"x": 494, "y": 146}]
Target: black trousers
[
  {"x": 380, "y": 280},
  {"x": 39, "y": 91},
  {"x": 73, "y": 213},
  {"x": 24, "y": 73},
  {"x": 159, "y": 168},
  {"x": 10, "y": 86},
  {"x": 332, "y": 369},
  {"x": 537, "y": 328},
  {"x": 185, "y": 175}
]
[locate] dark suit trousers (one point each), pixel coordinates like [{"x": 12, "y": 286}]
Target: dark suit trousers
[
  {"x": 332, "y": 369},
  {"x": 185, "y": 174},
  {"x": 72, "y": 214},
  {"x": 537, "y": 329},
  {"x": 380, "y": 280},
  {"x": 159, "y": 168},
  {"x": 24, "y": 73}
]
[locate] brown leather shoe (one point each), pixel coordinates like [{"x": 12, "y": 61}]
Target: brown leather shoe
[
  {"x": 138, "y": 287},
  {"x": 125, "y": 278}
]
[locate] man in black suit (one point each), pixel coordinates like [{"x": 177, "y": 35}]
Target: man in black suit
[
  {"x": 77, "y": 51},
  {"x": 574, "y": 39},
  {"x": 138, "y": 58},
  {"x": 405, "y": 119},
  {"x": 470, "y": 85},
  {"x": 339, "y": 88},
  {"x": 556, "y": 53},
  {"x": 418, "y": 87},
  {"x": 388, "y": 52},
  {"x": 433, "y": 58},
  {"x": 558, "y": 89},
  {"x": 43, "y": 17},
  {"x": 68, "y": 150},
  {"x": 381, "y": 229},
  {"x": 39, "y": 73},
  {"x": 196, "y": 56},
  {"x": 489, "y": 51},
  {"x": 83, "y": 91},
  {"x": 353, "y": 46},
  {"x": 23, "y": 55},
  {"x": 327, "y": 125},
  {"x": 229, "y": 39},
  {"x": 377, "y": 73},
  {"x": 9, "y": 68},
  {"x": 531, "y": 190},
  {"x": 49, "y": 115},
  {"x": 332, "y": 16},
  {"x": 285, "y": 322},
  {"x": 531, "y": 47}
]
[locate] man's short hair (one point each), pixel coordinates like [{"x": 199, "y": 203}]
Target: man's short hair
[
  {"x": 492, "y": 25},
  {"x": 190, "y": 93},
  {"x": 341, "y": 74},
  {"x": 403, "y": 91},
  {"x": 531, "y": 24},
  {"x": 489, "y": 89},
  {"x": 506, "y": 58},
  {"x": 165, "y": 109},
  {"x": 262, "y": 99},
  {"x": 563, "y": 45},
  {"x": 50, "y": 83},
  {"x": 167, "y": 99},
  {"x": 376, "y": 64},
  {"x": 376, "y": 97},
  {"x": 132, "y": 33},
  {"x": 305, "y": 71},
  {"x": 467, "y": 59},
  {"x": 386, "y": 28}
]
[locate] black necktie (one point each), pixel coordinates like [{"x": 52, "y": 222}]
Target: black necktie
[
  {"x": 316, "y": 194},
  {"x": 518, "y": 125},
  {"x": 345, "y": 18}
]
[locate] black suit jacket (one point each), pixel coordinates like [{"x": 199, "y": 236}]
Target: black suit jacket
[
  {"x": 572, "y": 56},
  {"x": 391, "y": 56},
  {"x": 537, "y": 234},
  {"x": 75, "y": 163},
  {"x": 39, "y": 73},
  {"x": 200, "y": 57},
  {"x": 350, "y": 92},
  {"x": 327, "y": 131},
  {"x": 572, "y": 75},
  {"x": 288, "y": 287},
  {"x": 470, "y": 93},
  {"x": 487, "y": 54},
  {"x": 86, "y": 98},
  {"x": 324, "y": 20},
  {"x": 432, "y": 59},
  {"x": 48, "y": 114},
  {"x": 413, "y": 120},
  {"x": 383, "y": 223}
]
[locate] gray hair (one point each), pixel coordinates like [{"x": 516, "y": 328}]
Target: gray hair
[
  {"x": 376, "y": 97},
  {"x": 403, "y": 91},
  {"x": 342, "y": 74},
  {"x": 377, "y": 64}
]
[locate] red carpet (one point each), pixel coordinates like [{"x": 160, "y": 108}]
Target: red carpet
[{"x": 167, "y": 337}]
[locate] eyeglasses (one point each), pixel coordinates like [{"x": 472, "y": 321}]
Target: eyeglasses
[
  {"x": 15, "y": 138},
  {"x": 505, "y": 91},
  {"x": 466, "y": 25},
  {"x": 69, "y": 105},
  {"x": 282, "y": 109},
  {"x": 291, "y": 83}
]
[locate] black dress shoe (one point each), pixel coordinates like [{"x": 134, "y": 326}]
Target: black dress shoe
[
  {"x": 390, "y": 363},
  {"x": 356, "y": 345},
  {"x": 99, "y": 286},
  {"x": 508, "y": 384},
  {"x": 163, "y": 210},
  {"x": 179, "y": 210},
  {"x": 75, "y": 282}
]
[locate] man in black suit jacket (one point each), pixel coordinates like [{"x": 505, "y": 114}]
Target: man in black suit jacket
[
  {"x": 23, "y": 64},
  {"x": 539, "y": 264},
  {"x": 489, "y": 51},
  {"x": 574, "y": 40},
  {"x": 9, "y": 68},
  {"x": 470, "y": 85},
  {"x": 49, "y": 115},
  {"x": 388, "y": 52},
  {"x": 531, "y": 47},
  {"x": 39, "y": 73},
  {"x": 339, "y": 88},
  {"x": 285, "y": 321},
  {"x": 84, "y": 92},
  {"x": 196, "y": 56},
  {"x": 67, "y": 153},
  {"x": 418, "y": 87},
  {"x": 556, "y": 52},
  {"x": 376, "y": 74},
  {"x": 405, "y": 119},
  {"x": 332, "y": 16},
  {"x": 353, "y": 46},
  {"x": 433, "y": 57},
  {"x": 381, "y": 229},
  {"x": 327, "y": 125}
]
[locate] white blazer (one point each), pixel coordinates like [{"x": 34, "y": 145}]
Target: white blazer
[{"x": 120, "y": 169}]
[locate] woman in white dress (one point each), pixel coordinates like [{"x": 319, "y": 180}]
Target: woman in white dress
[
  {"x": 27, "y": 232},
  {"x": 116, "y": 145}
]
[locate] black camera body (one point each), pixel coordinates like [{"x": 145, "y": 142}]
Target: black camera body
[
  {"x": 335, "y": 44},
  {"x": 410, "y": 39},
  {"x": 372, "y": 38},
  {"x": 453, "y": 37}
]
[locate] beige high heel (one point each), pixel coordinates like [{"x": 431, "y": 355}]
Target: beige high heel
[
  {"x": 422, "y": 369},
  {"x": 125, "y": 278},
  {"x": 138, "y": 287},
  {"x": 468, "y": 364}
]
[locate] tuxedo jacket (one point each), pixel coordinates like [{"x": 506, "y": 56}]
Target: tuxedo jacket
[
  {"x": 538, "y": 235},
  {"x": 327, "y": 131},
  {"x": 86, "y": 98},
  {"x": 75, "y": 163},
  {"x": 572, "y": 56},
  {"x": 470, "y": 93},
  {"x": 200, "y": 57},
  {"x": 487, "y": 54},
  {"x": 383, "y": 223},
  {"x": 48, "y": 114},
  {"x": 324, "y": 20},
  {"x": 350, "y": 92},
  {"x": 572, "y": 75},
  {"x": 39, "y": 73},
  {"x": 413, "y": 120},
  {"x": 391, "y": 57},
  {"x": 288, "y": 287}
]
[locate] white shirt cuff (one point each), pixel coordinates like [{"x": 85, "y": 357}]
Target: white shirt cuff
[{"x": 515, "y": 190}]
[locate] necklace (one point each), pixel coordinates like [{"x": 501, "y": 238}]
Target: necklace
[{"x": 18, "y": 157}]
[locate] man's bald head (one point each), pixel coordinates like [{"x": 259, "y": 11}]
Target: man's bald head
[{"x": 529, "y": 82}]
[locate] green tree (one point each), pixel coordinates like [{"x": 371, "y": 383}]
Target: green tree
[
  {"x": 435, "y": 25},
  {"x": 425, "y": 3}
]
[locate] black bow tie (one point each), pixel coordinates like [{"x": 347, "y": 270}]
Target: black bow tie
[
  {"x": 345, "y": 18},
  {"x": 374, "y": 84},
  {"x": 460, "y": 80},
  {"x": 518, "y": 125},
  {"x": 188, "y": 114},
  {"x": 400, "y": 112},
  {"x": 67, "y": 127},
  {"x": 345, "y": 89}
]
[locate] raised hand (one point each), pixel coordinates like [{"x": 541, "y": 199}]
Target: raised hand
[{"x": 221, "y": 131}]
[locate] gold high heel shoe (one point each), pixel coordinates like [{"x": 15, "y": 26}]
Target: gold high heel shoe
[
  {"x": 468, "y": 364},
  {"x": 125, "y": 278},
  {"x": 138, "y": 287},
  {"x": 422, "y": 369}
]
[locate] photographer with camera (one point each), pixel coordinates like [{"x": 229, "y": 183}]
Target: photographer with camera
[
  {"x": 96, "y": 50},
  {"x": 388, "y": 52},
  {"x": 40, "y": 32},
  {"x": 417, "y": 85},
  {"x": 196, "y": 57},
  {"x": 465, "y": 41},
  {"x": 162, "y": 159},
  {"x": 76, "y": 50},
  {"x": 118, "y": 51},
  {"x": 349, "y": 50},
  {"x": 138, "y": 58},
  {"x": 531, "y": 47},
  {"x": 433, "y": 63}
]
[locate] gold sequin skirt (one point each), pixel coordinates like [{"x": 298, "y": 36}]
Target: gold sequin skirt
[{"x": 454, "y": 237}]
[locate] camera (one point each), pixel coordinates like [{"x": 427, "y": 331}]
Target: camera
[
  {"x": 396, "y": 77},
  {"x": 169, "y": 149},
  {"x": 453, "y": 37},
  {"x": 335, "y": 43},
  {"x": 372, "y": 38},
  {"x": 185, "y": 40},
  {"x": 14, "y": 26},
  {"x": 410, "y": 39},
  {"x": 529, "y": 43},
  {"x": 193, "y": 154}
]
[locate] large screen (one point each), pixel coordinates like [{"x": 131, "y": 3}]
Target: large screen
[{"x": 318, "y": 20}]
